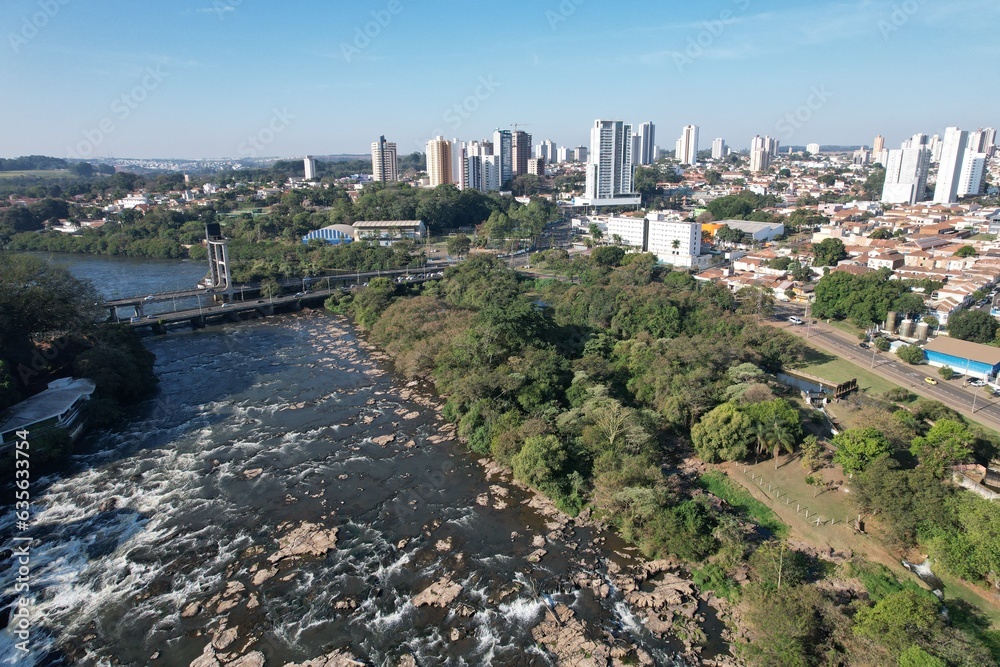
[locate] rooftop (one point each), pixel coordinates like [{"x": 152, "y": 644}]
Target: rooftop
[
  {"x": 963, "y": 349},
  {"x": 54, "y": 401},
  {"x": 382, "y": 224}
]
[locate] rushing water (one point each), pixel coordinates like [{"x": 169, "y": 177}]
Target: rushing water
[{"x": 154, "y": 538}]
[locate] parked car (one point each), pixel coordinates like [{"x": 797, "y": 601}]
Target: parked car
[
  {"x": 133, "y": 320},
  {"x": 863, "y": 345},
  {"x": 795, "y": 320}
]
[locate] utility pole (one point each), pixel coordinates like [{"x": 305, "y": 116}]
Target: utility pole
[{"x": 781, "y": 563}]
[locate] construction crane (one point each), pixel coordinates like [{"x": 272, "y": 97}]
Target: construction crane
[{"x": 517, "y": 125}]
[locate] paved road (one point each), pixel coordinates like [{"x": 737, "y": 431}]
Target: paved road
[{"x": 952, "y": 393}]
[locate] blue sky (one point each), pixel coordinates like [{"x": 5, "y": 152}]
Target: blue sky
[{"x": 215, "y": 78}]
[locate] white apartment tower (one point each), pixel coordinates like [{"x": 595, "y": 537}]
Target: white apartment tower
[
  {"x": 950, "y": 169},
  {"x": 906, "y": 175},
  {"x": 687, "y": 145},
  {"x": 310, "y": 167},
  {"x": 970, "y": 182},
  {"x": 384, "y": 161},
  {"x": 609, "y": 169},
  {"x": 719, "y": 149}
]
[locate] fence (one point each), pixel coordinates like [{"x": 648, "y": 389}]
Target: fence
[{"x": 779, "y": 494}]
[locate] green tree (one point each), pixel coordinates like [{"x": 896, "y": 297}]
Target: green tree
[
  {"x": 812, "y": 453},
  {"x": 946, "y": 372},
  {"x": 722, "y": 434},
  {"x": 911, "y": 354},
  {"x": 977, "y": 326},
  {"x": 372, "y": 301},
  {"x": 459, "y": 245},
  {"x": 828, "y": 252},
  {"x": 540, "y": 461},
  {"x": 966, "y": 251},
  {"x": 914, "y": 656},
  {"x": 858, "y": 447},
  {"x": 900, "y": 619},
  {"x": 947, "y": 443}
]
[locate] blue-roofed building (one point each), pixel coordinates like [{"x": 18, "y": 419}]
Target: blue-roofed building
[
  {"x": 334, "y": 234},
  {"x": 973, "y": 359}
]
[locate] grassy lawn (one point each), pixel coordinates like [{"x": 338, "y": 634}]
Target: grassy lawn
[
  {"x": 983, "y": 237},
  {"x": 838, "y": 370},
  {"x": 846, "y": 326},
  {"x": 719, "y": 485},
  {"x": 41, "y": 173}
]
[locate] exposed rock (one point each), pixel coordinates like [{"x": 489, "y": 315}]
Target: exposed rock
[
  {"x": 223, "y": 639},
  {"x": 566, "y": 638},
  {"x": 456, "y": 635},
  {"x": 439, "y": 594},
  {"x": 252, "y": 473},
  {"x": 308, "y": 539},
  {"x": 383, "y": 440},
  {"x": 538, "y": 541},
  {"x": 443, "y": 545},
  {"x": 263, "y": 575},
  {"x": 193, "y": 609},
  {"x": 206, "y": 659},
  {"x": 251, "y": 659},
  {"x": 536, "y": 555},
  {"x": 338, "y": 658},
  {"x": 407, "y": 661}
]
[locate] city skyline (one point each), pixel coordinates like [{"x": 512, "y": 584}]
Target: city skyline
[{"x": 229, "y": 78}]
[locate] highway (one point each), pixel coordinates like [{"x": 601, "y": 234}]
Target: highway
[{"x": 952, "y": 393}]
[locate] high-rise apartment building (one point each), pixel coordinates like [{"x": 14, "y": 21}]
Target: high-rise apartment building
[
  {"x": 719, "y": 149},
  {"x": 439, "y": 168},
  {"x": 970, "y": 181},
  {"x": 647, "y": 144},
  {"x": 384, "y": 161},
  {"x": 687, "y": 145},
  {"x": 878, "y": 145},
  {"x": 609, "y": 169},
  {"x": 536, "y": 166},
  {"x": 906, "y": 175},
  {"x": 310, "y": 167},
  {"x": 950, "y": 169},
  {"x": 564, "y": 154},
  {"x": 760, "y": 154},
  {"x": 503, "y": 145},
  {"x": 812, "y": 149},
  {"x": 581, "y": 154},
  {"x": 546, "y": 150},
  {"x": 520, "y": 151}
]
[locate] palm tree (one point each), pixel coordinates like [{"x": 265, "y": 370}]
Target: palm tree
[
  {"x": 781, "y": 438},
  {"x": 763, "y": 434}
]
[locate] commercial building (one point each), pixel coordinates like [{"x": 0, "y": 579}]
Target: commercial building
[
  {"x": 58, "y": 406},
  {"x": 439, "y": 168},
  {"x": 973, "y": 359},
  {"x": 388, "y": 232},
  {"x": 310, "y": 167},
  {"x": 950, "y": 170},
  {"x": 384, "y": 161},
  {"x": 630, "y": 231},
  {"x": 760, "y": 232},
  {"x": 334, "y": 234},
  {"x": 674, "y": 242},
  {"x": 906, "y": 175},
  {"x": 609, "y": 170}
]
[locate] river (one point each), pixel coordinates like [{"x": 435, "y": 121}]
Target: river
[{"x": 156, "y": 539}]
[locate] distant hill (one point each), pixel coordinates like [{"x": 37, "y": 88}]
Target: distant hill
[{"x": 32, "y": 163}]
